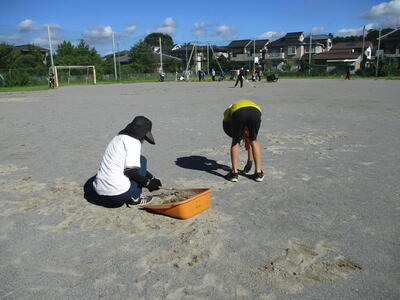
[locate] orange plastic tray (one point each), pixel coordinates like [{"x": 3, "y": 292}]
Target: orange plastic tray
[{"x": 184, "y": 209}]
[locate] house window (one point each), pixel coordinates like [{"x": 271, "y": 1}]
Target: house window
[{"x": 292, "y": 50}]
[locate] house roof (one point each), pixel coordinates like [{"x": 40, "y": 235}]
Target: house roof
[
  {"x": 350, "y": 45},
  {"x": 30, "y": 47},
  {"x": 293, "y": 35},
  {"x": 318, "y": 37},
  {"x": 261, "y": 43},
  {"x": 189, "y": 48},
  {"x": 238, "y": 43},
  {"x": 290, "y": 39}
]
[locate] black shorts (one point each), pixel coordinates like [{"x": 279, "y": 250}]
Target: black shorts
[{"x": 249, "y": 117}]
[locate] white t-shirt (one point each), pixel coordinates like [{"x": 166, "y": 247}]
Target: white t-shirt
[{"x": 121, "y": 152}]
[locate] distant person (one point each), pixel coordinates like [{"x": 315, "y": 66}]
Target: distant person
[
  {"x": 200, "y": 74},
  {"x": 51, "y": 80},
  {"x": 258, "y": 75},
  {"x": 213, "y": 74},
  {"x": 123, "y": 170},
  {"x": 347, "y": 75},
  {"x": 242, "y": 120},
  {"x": 203, "y": 74},
  {"x": 240, "y": 77},
  {"x": 162, "y": 76},
  {"x": 253, "y": 76}
]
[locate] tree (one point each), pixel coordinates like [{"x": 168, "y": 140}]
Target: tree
[
  {"x": 153, "y": 39},
  {"x": 142, "y": 58},
  {"x": 7, "y": 54}
]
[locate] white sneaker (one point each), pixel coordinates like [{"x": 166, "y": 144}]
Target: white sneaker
[{"x": 141, "y": 200}]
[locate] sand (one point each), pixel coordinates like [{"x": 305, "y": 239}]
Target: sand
[
  {"x": 171, "y": 197},
  {"x": 324, "y": 223}
]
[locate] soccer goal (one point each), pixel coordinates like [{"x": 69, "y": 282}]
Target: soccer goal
[{"x": 84, "y": 73}]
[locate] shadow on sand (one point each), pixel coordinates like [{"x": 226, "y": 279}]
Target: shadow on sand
[{"x": 201, "y": 163}]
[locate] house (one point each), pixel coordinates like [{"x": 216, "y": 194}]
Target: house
[
  {"x": 28, "y": 48},
  {"x": 246, "y": 50},
  {"x": 319, "y": 43},
  {"x": 291, "y": 46},
  {"x": 348, "y": 53},
  {"x": 390, "y": 44}
]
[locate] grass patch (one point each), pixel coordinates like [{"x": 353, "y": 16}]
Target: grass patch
[{"x": 24, "y": 88}]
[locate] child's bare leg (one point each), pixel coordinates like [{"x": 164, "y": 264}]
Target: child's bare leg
[
  {"x": 235, "y": 148},
  {"x": 255, "y": 146}
]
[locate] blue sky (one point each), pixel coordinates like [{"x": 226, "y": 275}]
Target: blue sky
[{"x": 216, "y": 21}]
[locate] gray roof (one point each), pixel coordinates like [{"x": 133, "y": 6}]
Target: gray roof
[
  {"x": 189, "y": 48},
  {"x": 30, "y": 47},
  {"x": 318, "y": 37},
  {"x": 290, "y": 39},
  {"x": 293, "y": 35},
  {"x": 238, "y": 43}
]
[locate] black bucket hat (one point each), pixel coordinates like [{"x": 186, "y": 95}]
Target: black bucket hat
[{"x": 139, "y": 128}]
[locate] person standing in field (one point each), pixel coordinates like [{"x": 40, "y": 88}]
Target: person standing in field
[
  {"x": 347, "y": 76},
  {"x": 213, "y": 74},
  {"x": 242, "y": 120},
  {"x": 240, "y": 77}
]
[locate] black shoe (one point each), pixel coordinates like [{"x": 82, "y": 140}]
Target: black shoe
[
  {"x": 232, "y": 176},
  {"x": 259, "y": 176},
  {"x": 248, "y": 166}
]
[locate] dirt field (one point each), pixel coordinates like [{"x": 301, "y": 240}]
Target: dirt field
[{"x": 324, "y": 223}]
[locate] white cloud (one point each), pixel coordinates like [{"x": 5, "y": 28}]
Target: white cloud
[
  {"x": 43, "y": 40},
  {"x": 226, "y": 31},
  {"x": 384, "y": 9},
  {"x": 317, "y": 29},
  {"x": 355, "y": 31},
  {"x": 167, "y": 27},
  {"x": 26, "y": 25},
  {"x": 14, "y": 37},
  {"x": 271, "y": 35},
  {"x": 130, "y": 28},
  {"x": 199, "y": 29},
  {"x": 101, "y": 34}
]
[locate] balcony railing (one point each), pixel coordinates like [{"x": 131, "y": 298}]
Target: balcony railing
[{"x": 275, "y": 55}]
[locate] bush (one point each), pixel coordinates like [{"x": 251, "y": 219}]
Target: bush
[{"x": 17, "y": 78}]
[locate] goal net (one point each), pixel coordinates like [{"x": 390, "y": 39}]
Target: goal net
[{"x": 64, "y": 75}]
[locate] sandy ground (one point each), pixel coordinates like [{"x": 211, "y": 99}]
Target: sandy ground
[{"x": 324, "y": 224}]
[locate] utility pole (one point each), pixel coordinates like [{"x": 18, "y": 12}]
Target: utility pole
[
  {"x": 378, "y": 52},
  {"x": 51, "y": 49},
  {"x": 309, "y": 55},
  {"x": 362, "y": 51},
  {"x": 119, "y": 64},
  {"x": 254, "y": 54},
  {"x": 161, "y": 63},
  {"x": 195, "y": 55},
  {"x": 115, "y": 62},
  {"x": 208, "y": 61}
]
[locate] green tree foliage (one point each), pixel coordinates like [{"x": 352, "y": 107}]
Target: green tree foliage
[
  {"x": 7, "y": 54},
  {"x": 19, "y": 68},
  {"x": 142, "y": 58},
  {"x": 153, "y": 39},
  {"x": 68, "y": 54},
  {"x": 372, "y": 36}
]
